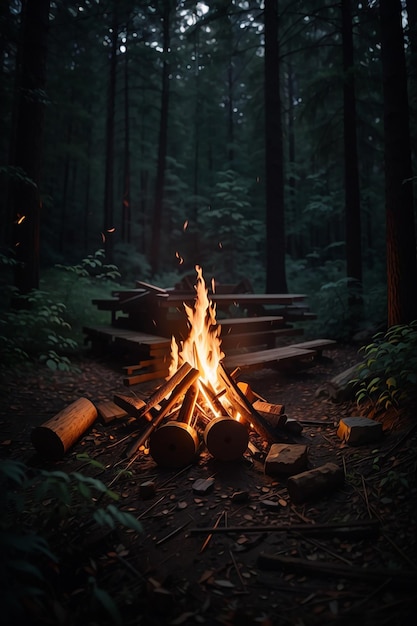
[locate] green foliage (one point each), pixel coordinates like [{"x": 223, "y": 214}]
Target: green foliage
[
  {"x": 45, "y": 325},
  {"x": 92, "y": 266},
  {"x": 38, "y": 510},
  {"x": 77, "y": 285},
  {"x": 131, "y": 264},
  {"x": 387, "y": 376},
  {"x": 232, "y": 234},
  {"x": 329, "y": 290},
  {"x": 35, "y": 328}
]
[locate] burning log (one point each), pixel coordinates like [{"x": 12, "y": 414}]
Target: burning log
[
  {"x": 249, "y": 414},
  {"x": 166, "y": 388},
  {"x": 177, "y": 390},
  {"x": 226, "y": 438},
  {"x": 188, "y": 405},
  {"x": 174, "y": 444},
  {"x": 53, "y": 438},
  {"x": 214, "y": 399}
]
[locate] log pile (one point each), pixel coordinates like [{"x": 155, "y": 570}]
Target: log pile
[{"x": 180, "y": 415}]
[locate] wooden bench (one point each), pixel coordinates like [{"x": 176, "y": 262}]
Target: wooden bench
[
  {"x": 145, "y": 370},
  {"x": 248, "y": 332},
  {"x": 267, "y": 338},
  {"x": 318, "y": 345},
  {"x": 301, "y": 354},
  {"x": 104, "y": 336},
  {"x": 248, "y": 341}
]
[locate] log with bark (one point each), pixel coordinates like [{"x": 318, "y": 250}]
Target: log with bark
[
  {"x": 339, "y": 388},
  {"x": 54, "y": 437}
]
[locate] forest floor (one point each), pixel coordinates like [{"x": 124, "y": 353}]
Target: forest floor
[{"x": 168, "y": 573}]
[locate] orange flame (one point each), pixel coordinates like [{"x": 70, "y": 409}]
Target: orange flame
[{"x": 202, "y": 347}]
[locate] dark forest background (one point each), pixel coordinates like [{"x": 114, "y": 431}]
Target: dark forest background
[{"x": 273, "y": 141}]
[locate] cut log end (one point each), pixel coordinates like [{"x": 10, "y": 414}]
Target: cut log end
[
  {"x": 54, "y": 437},
  {"x": 47, "y": 443}
]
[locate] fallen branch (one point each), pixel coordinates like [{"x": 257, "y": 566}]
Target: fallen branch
[
  {"x": 362, "y": 529},
  {"x": 302, "y": 566},
  {"x": 209, "y": 536}
]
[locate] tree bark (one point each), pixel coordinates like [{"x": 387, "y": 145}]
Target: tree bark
[
  {"x": 274, "y": 171},
  {"x": 352, "y": 195},
  {"x": 412, "y": 70},
  {"x": 126, "y": 210},
  {"x": 27, "y": 154},
  {"x": 53, "y": 438},
  {"x": 400, "y": 237},
  {"x": 162, "y": 146},
  {"x": 109, "y": 180}
]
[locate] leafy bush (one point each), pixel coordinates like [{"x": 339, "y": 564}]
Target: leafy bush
[
  {"x": 46, "y": 324},
  {"x": 329, "y": 290},
  {"x": 132, "y": 264},
  {"x": 42, "y": 513},
  {"x": 35, "y": 328},
  {"x": 387, "y": 376}
]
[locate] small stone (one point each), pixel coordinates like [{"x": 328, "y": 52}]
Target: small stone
[
  {"x": 286, "y": 459},
  {"x": 203, "y": 485},
  {"x": 358, "y": 430},
  {"x": 271, "y": 505},
  {"x": 315, "y": 483}
]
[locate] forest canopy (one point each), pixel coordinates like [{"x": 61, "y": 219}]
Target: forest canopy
[{"x": 244, "y": 136}]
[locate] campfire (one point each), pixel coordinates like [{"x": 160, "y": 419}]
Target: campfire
[
  {"x": 198, "y": 404},
  {"x": 200, "y": 401},
  {"x": 201, "y": 405}
]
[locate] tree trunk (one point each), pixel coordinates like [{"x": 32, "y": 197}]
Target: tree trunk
[
  {"x": 230, "y": 117},
  {"x": 63, "y": 233},
  {"x": 162, "y": 146},
  {"x": 126, "y": 211},
  {"x": 27, "y": 153},
  {"x": 352, "y": 195},
  {"x": 109, "y": 180},
  {"x": 274, "y": 171},
  {"x": 412, "y": 71},
  {"x": 401, "y": 239},
  {"x": 87, "y": 188},
  {"x": 293, "y": 243}
]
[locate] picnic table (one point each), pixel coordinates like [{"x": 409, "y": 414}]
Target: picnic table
[{"x": 250, "y": 325}]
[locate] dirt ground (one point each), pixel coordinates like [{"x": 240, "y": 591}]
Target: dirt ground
[{"x": 173, "y": 572}]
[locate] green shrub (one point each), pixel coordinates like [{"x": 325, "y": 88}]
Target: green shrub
[
  {"x": 46, "y": 324},
  {"x": 387, "y": 376},
  {"x": 35, "y": 328},
  {"x": 44, "y": 515}
]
